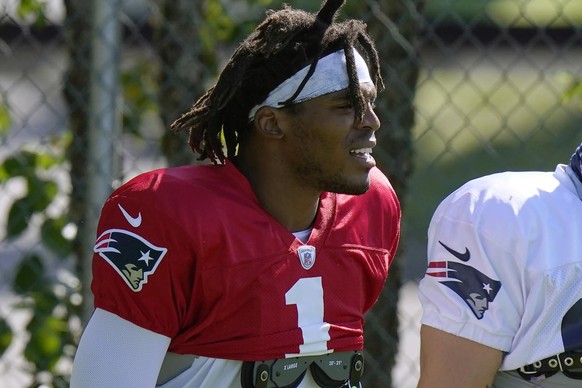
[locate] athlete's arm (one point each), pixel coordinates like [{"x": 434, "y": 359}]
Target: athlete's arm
[
  {"x": 450, "y": 361},
  {"x": 114, "y": 352}
]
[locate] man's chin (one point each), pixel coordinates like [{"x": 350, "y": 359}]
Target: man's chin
[
  {"x": 362, "y": 186},
  {"x": 354, "y": 188}
]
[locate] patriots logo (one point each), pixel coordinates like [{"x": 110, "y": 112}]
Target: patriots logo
[
  {"x": 133, "y": 257},
  {"x": 473, "y": 286}
]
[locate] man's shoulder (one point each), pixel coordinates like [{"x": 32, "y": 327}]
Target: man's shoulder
[
  {"x": 196, "y": 189},
  {"x": 512, "y": 180},
  {"x": 378, "y": 177},
  {"x": 380, "y": 184},
  {"x": 512, "y": 195},
  {"x": 173, "y": 180},
  {"x": 507, "y": 187},
  {"x": 380, "y": 198},
  {"x": 176, "y": 175}
]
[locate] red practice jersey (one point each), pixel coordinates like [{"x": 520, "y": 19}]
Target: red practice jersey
[{"x": 189, "y": 253}]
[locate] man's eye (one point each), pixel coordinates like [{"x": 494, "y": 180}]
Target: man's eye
[{"x": 347, "y": 105}]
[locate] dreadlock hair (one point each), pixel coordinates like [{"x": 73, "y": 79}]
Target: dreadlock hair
[{"x": 285, "y": 42}]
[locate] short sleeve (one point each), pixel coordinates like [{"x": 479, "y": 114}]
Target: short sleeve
[
  {"x": 472, "y": 284},
  {"x": 141, "y": 264}
]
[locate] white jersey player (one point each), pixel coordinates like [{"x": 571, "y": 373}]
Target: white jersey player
[{"x": 502, "y": 294}]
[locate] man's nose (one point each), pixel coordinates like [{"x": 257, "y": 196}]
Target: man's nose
[{"x": 370, "y": 120}]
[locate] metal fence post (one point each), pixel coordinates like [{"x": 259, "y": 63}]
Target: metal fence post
[{"x": 104, "y": 122}]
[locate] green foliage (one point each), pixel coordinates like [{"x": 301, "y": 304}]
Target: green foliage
[
  {"x": 51, "y": 233},
  {"x": 514, "y": 13},
  {"x": 53, "y": 305},
  {"x": 220, "y": 25},
  {"x": 225, "y": 23},
  {"x": 50, "y": 301},
  {"x": 5, "y": 121},
  {"x": 451, "y": 11},
  {"x": 6, "y": 335},
  {"x": 139, "y": 85},
  {"x": 573, "y": 92},
  {"x": 40, "y": 192},
  {"x": 28, "y": 274},
  {"x": 33, "y": 10}
]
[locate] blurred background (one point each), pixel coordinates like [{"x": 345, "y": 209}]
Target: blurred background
[{"x": 88, "y": 89}]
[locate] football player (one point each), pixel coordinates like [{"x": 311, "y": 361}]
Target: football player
[
  {"x": 255, "y": 270},
  {"x": 502, "y": 294}
]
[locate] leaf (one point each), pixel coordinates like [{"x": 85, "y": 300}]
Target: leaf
[
  {"x": 4, "y": 176},
  {"x": 22, "y": 163},
  {"x": 51, "y": 233},
  {"x": 43, "y": 348},
  {"x": 574, "y": 91},
  {"x": 47, "y": 339},
  {"x": 34, "y": 9},
  {"x": 45, "y": 160},
  {"x": 220, "y": 26},
  {"x": 25, "y": 163},
  {"x": 29, "y": 274},
  {"x": 5, "y": 120},
  {"x": 18, "y": 216},
  {"x": 41, "y": 193},
  {"x": 44, "y": 299},
  {"x": 6, "y": 336},
  {"x": 139, "y": 94}
]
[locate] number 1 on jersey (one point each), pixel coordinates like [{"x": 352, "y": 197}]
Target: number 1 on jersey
[{"x": 307, "y": 295}]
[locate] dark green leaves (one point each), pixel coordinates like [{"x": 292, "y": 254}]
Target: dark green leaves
[{"x": 5, "y": 336}]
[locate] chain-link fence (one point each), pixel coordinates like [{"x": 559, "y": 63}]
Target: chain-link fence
[{"x": 493, "y": 88}]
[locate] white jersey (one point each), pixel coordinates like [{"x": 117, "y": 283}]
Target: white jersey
[{"x": 505, "y": 265}]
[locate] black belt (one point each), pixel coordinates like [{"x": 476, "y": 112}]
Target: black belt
[
  {"x": 563, "y": 362},
  {"x": 332, "y": 370}
]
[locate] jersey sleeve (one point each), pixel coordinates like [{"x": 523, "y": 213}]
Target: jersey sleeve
[
  {"x": 472, "y": 284},
  {"x": 116, "y": 353},
  {"x": 142, "y": 264}
]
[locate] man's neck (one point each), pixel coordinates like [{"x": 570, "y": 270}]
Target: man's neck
[{"x": 292, "y": 204}]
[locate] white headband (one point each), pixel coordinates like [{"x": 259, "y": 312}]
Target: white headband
[{"x": 330, "y": 76}]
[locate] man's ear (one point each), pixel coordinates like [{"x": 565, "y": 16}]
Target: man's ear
[{"x": 267, "y": 122}]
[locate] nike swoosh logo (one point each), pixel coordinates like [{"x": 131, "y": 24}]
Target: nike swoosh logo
[
  {"x": 133, "y": 221},
  {"x": 461, "y": 256}
]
